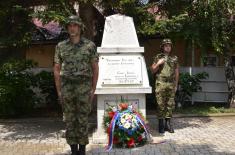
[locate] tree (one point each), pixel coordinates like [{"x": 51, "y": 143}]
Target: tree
[
  {"x": 17, "y": 16},
  {"x": 207, "y": 24},
  {"x": 15, "y": 24},
  {"x": 218, "y": 32},
  {"x": 60, "y": 9}
]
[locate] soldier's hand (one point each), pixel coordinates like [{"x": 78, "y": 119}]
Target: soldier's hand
[
  {"x": 92, "y": 94},
  {"x": 60, "y": 99},
  {"x": 161, "y": 61},
  {"x": 176, "y": 89}
]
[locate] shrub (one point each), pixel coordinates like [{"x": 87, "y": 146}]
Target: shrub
[
  {"x": 45, "y": 83},
  {"x": 16, "y": 95},
  {"x": 187, "y": 85}
]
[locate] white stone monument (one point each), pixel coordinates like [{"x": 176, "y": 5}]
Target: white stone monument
[{"x": 122, "y": 70}]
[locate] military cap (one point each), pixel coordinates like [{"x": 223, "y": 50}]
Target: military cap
[
  {"x": 74, "y": 19},
  {"x": 165, "y": 41}
]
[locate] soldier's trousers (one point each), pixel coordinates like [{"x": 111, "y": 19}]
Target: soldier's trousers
[
  {"x": 76, "y": 108},
  {"x": 165, "y": 94}
]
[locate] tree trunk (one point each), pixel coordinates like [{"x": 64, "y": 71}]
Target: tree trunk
[
  {"x": 230, "y": 78},
  {"x": 86, "y": 12}
]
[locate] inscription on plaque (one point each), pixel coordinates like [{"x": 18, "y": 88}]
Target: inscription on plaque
[{"x": 121, "y": 70}]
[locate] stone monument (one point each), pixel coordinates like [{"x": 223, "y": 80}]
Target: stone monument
[{"x": 122, "y": 70}]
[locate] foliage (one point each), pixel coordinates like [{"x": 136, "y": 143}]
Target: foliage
[
  {"x": 142, "y": 18},
  {"x": 45, "y": 83},
  {"x": 15, "y": 24},
  {"x": 223, "y": 25},
  {"x": 204, "y": 110},
  {"x": 125, "y": 126},
  {"x": 16, "y": 95},
  {"x": 187, "y": 85},
  {"x": 174, "y": 7},
  {"x": 209, "y": 23},
  {"x": 22, "y": 90},
  {"x": 56, "y": 10},
  {"x": 60, "y": 9}
]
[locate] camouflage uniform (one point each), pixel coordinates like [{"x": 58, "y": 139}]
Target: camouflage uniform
[
  {"x": 76, "y": 80},
  {"x": 165, "y": 85}
]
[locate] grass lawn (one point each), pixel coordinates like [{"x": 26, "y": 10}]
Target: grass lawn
[{"x": 204, "y": 109}]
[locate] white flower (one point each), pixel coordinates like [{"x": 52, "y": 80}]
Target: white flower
[
  {"x": 123, "y": 116},
  {"x": 134, "y": 120},
  {"x": 130, "y": 116},
  {"x": 127, "y": 125},
  {"x": 123, "y": 120},
  {"x": 114, "y": 109},
  {"x": 127, "y": 116},
  {"x": 143, "y": 135}
]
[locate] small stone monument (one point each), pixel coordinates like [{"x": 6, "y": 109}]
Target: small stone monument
[{"x": 122, "y": 70}]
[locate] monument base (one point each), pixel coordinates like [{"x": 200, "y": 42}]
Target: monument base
[
  {"x": 99, "y": 137},
  {"x": 122, "y": 70},
  {"x": 104, "y": 101}
]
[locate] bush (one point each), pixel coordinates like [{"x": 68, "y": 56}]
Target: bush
[
  {"x": 45, "y": 83},
  {"x": 16, "y": 95},
  {"x": 187, "y": 85},
  {"x": 22, "y": 91}
]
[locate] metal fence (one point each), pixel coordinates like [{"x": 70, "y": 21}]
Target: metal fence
[{"x": 214, "y": 88}]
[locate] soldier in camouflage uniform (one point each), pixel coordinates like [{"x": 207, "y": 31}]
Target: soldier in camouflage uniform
[
  {"x": 166, "y": 69},
  {"x": 76, "y": 73}
]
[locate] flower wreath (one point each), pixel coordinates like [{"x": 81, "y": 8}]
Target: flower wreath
[{"x": 125, "y": 127}]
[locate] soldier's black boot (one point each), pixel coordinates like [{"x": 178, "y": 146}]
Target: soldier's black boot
[
  {"x": 74, "y": 149},
  {"x": 169, "y": 126},
  {"x": 161, "y": 126},
  {"x": 82, "y": 150}
]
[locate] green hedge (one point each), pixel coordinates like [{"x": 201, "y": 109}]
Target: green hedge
[{"x": 17, "y": 88}]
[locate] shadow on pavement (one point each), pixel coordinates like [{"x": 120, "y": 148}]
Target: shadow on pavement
[
  {"x": 169, "y": 147},
  {"x": 38, "y": 128},
  {"x": 178, "y": 123}
]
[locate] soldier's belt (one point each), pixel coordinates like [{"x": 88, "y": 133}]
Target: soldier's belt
[
  {"x": 165, "y": 79},
  {"x": 76, "y": 78}
]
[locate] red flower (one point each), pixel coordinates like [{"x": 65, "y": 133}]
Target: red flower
[
  {"x": 108, "y": 130},
  {"x": 123, "y": 106},
  {"x": 115, "y": 140},
  {"x": 111, "y": 114},
  {"x": 131, "y": 142},
  {"x": 140, "y": 138}
]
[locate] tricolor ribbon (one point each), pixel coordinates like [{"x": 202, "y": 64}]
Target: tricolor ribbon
[
  {"x": 141, "y": 121},
  {"x": 111, "y": 131},
  {"x": 113, "y": 123}
]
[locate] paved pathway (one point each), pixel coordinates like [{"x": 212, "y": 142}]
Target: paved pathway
[{"x": 193, "y": 135}]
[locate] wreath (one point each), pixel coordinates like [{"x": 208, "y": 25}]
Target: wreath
[{"x": 125, "y": 126}]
